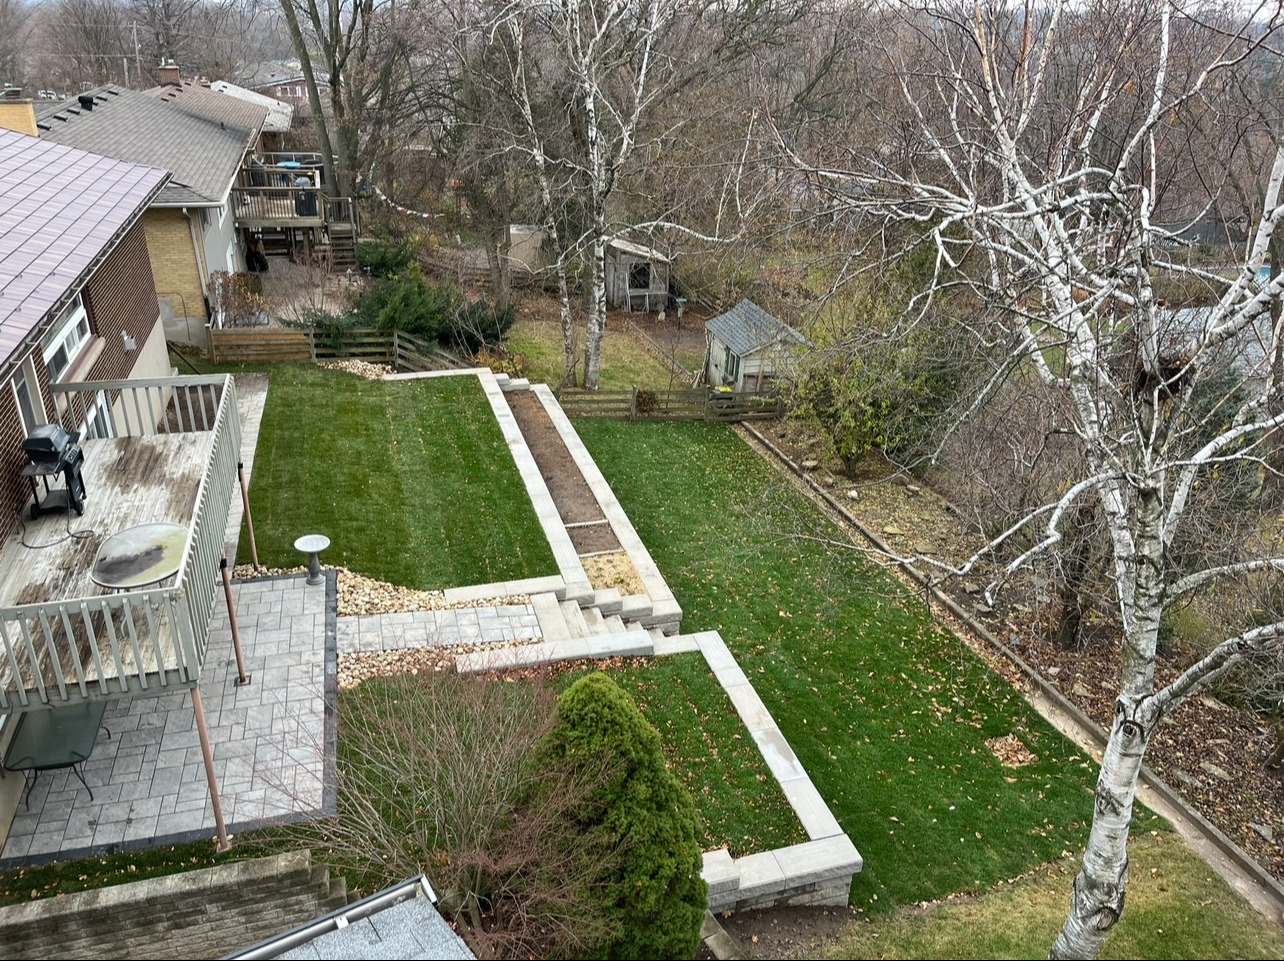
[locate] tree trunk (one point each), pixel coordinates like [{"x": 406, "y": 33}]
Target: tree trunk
[
  {"x": 1098, "y": 895},
  {"x": 596, "y": 331},
  {"x": 314, "y": 95}
]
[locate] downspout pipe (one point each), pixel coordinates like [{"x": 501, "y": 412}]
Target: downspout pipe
[{"x": 198, "y": 250}]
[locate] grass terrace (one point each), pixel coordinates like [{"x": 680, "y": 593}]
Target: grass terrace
[
  {"x": 625, "y": 362},
  {"x": 411, "y": 481},
  {"x": 889, "y": 714}
]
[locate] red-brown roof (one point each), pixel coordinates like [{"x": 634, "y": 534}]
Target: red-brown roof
[{"x": 61, "y": 209}]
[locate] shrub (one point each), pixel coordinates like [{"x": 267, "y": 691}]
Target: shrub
[
  {"x": 409, "y": 303},
  {"x": 385, "y": 256},
  {"x": 330, "y": 327},
  {"x": 654, "y": 891},
  {"x": 477, "y": 325}
]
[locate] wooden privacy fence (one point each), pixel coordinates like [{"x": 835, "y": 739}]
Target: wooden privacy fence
[
  {"x": 240, "y": 345},
  {"x": 640, "y": 404}
]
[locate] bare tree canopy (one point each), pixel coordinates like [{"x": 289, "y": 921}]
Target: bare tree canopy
[{"x": 1046, "y": 163}]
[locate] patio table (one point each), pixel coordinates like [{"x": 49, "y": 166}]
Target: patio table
[
  {"x": 47, "y": 739},
  {"x": 138, "y": 556}
]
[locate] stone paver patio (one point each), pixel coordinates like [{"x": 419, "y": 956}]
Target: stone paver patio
[{"x": 270, "y": 739}]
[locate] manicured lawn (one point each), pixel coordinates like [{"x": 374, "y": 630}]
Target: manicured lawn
[
  {"x": 625, "y": 362},
  {"x": 710, "y": 751},
  {"x": 411, "y": 481},
  {"x": 888, "y": 714},
  {"x": 1177, "y": 908}
]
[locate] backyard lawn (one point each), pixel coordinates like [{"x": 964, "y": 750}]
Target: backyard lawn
[
  {"x": 625, "y": 362},
  {"x": 889, "y": 714},
  {"x": 411, "y": 481}
]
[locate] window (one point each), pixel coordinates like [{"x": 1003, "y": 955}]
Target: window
[
  {"x": 27, "y": 394},
  {"x": 730, "y": 365},
  {"x": 97, "y": 419},
  {"x": 640, "y": 276},
  {"x": 66, "y": 338}
]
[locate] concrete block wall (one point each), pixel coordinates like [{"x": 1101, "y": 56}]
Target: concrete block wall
[{"x": 197, "y": 914}]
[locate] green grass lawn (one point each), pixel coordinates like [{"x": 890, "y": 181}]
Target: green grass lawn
[
  {"x": 411, "y": 481},
  {"x": 710, "y": 751},
  {"x": 888, "y": 713},
  {"x": 625, "y": 362},
  {"x": 1177, "y": 908}
]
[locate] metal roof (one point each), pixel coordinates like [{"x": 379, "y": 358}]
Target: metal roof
[
  {"x": 637, "y": 250},
  {"x": 203, "y": 153},
  {"x": 399, "y": 922},
  {"x": 61, "y": 209},
  {"x": 747, "y": 328}
]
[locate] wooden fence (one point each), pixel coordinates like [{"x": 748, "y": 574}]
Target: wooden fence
[
  {"x": 240, "y": 345},
  {"x": 639, "y": 404}
]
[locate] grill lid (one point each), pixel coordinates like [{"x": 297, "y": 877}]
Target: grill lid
[{"x": 46, "y": 443}]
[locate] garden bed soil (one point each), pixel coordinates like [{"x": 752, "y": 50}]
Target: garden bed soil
[
  {"x": 1212, "y": 753},
  {"x": 613, "y": 570},
  {"x": 570, "y": 491},
  {"x": 595, "y": 538},
  {"x": 784, "y": 932}
]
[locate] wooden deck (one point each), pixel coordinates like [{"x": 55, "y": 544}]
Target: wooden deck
[
  {"x": 63, "y": 638},
  {"x": 128, "y": 481}
]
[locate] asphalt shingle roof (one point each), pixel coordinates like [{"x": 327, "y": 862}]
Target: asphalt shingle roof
[
  {"x": 746, "y": 327},
  {"x": 60, "y": 208},
  {"x": 202, "y": 152}
]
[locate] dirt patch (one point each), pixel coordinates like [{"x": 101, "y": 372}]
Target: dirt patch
[
  {"x": 784, "y": 932},
  {"x": 613, "y": 570},
  {"x": 575, "y": 501},
  {"x": 594, "y": 538}
]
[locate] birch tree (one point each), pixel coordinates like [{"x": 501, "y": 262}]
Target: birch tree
[{"x": 1047, "y": 150}]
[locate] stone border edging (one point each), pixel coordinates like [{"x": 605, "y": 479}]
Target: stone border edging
[
  {"x": 1240, "y": 857},
  {"x": 818, "y": 871}
]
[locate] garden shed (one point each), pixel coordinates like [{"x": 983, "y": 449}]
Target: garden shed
[
  {"x": 637, "y": 277},
  {"x": 748, "y": 349}
]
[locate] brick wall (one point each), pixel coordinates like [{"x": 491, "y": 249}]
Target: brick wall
[
  {"x": 199, "y": 914},
  {"x": 121, "y": 299},
  {"x": 169, "y": 242}
]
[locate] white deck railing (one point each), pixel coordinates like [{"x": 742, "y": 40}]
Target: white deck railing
[{"x": 121, "y": 645}]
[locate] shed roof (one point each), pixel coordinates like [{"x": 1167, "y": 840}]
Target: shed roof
[
  {"x": 199, "y": 143},
  {"x": 61, "y": 209},
  {"x": 637, "y": 250},
  {"x": 747, "y": 328}
]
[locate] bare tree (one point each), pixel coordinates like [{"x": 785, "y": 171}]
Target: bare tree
[
  {"x": 15, "y": 27},
  {"x": 1042, "y": 157}
]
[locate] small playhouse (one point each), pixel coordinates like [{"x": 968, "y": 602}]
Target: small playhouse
[
  {"x": 637, "y": 277},
  {"x": 748, "y": 349}
]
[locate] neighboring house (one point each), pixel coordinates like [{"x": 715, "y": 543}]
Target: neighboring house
[
  {"x": 280, "y": 114},
  {"x": 201, "y": 138},
  {"x": 748, "y": 349},
  {"x": 283, "y": 80},
  {"x": 77, "y": 301},
  {"x": 637, "y": 277}
]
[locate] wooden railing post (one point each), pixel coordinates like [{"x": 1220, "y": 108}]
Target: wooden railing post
[{"x": 312, "y": 346}]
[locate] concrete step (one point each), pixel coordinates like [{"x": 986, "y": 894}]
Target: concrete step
[
  {"x": 581, "y": 593},
  {"x": 678, "y": 644},
  {"x": 515, "y": 384},
  {"x": 576, "y": 622},
  {"x": 614, "y": 624},
  {"x": 552, "y": 623},
  {"x": 593, "y": 618},
  {"x": 634, "y": 607},
  {"x": 608, "y": 601}
]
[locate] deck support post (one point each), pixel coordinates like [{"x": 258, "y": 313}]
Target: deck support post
[
  {"x": 241, "y": 676},
  {"x": 249, "y": 518},
  {"x": 207, "y": 754}
]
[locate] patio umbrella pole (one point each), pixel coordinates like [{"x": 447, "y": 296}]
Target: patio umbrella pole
[
  {"x": 249, "y": 518},
  {"x": 241, "y": 676},
  {"x": 208, "y": 754}
]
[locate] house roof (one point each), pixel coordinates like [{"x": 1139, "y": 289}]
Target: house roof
[
  {"x": 200, "y": 144},
  {"x": 280, "y": 114},
  {"x": 747, "y": 328},
  {"x": 208, "y": 104},
  {"x": 61, "y": 209},
  {"x": 399, "y": 922}
]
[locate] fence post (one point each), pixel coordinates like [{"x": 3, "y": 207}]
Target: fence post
[
  {"x": 213, "y": 347},
  {"x": 396, "y": 348},
  {"x": 312, "y": 345},
  {"x": 633, "y": 405}
]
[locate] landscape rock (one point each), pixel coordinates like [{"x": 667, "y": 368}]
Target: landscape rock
[
  {"x": 1208, "y": 767},
  {"x": 1264, "y": 830},
  {"x": 809, "y": 464}
]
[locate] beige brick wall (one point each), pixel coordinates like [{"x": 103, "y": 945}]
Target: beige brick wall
[
  {"x": 18, "y": 115},
  {"x": 169, "y": 242}
]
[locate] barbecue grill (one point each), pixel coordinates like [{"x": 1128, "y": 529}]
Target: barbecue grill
[{"x": 51, "y": 451}]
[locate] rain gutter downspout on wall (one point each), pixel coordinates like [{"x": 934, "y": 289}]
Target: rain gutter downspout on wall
[{"x": 199, "y": 250}]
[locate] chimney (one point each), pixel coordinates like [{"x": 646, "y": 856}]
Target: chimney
[
  {"x": 168, "y": 74},
  {"x": 19, "y": 115}
]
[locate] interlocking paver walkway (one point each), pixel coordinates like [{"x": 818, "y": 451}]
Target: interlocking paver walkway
[
  {"x": 269, "y": 739},
  {"x": 468, "y": 625}
]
